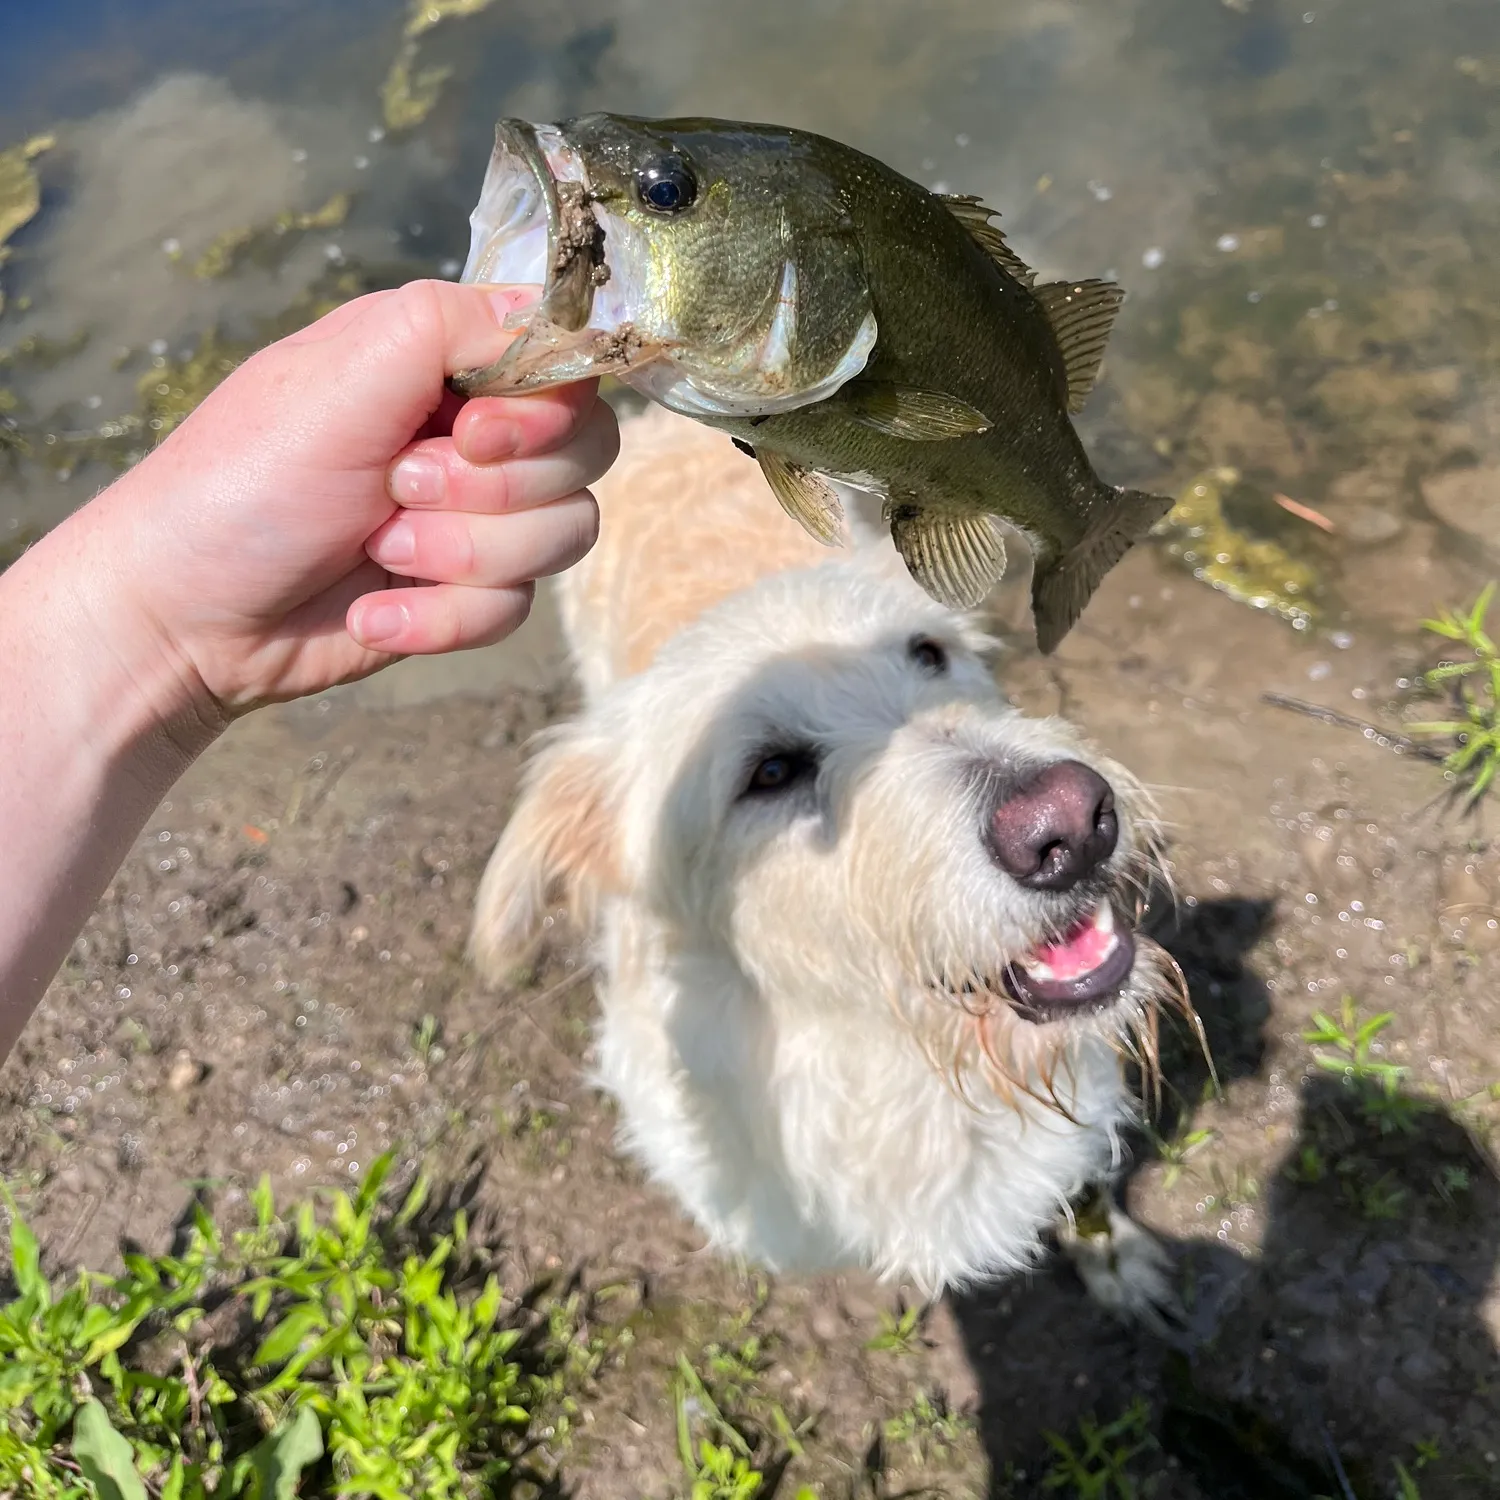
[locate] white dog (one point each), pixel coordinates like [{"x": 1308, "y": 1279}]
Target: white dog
[{"x": 864, "y": 931}]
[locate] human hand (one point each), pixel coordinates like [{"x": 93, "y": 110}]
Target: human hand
[{"x": 277, "y": 543}]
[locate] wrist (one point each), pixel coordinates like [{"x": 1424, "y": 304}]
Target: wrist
[{"x": 75, "y": 603}]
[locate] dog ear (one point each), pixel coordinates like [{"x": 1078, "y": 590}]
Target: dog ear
[{"x": 559, "y": 847}]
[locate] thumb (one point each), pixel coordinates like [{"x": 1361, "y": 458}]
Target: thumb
[{"x": 389, "y": 353}]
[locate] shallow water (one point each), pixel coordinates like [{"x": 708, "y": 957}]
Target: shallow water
[{"x": 1302, "y": 203}]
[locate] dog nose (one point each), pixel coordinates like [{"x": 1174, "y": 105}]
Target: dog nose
[{"x": 1060, "y": 826}]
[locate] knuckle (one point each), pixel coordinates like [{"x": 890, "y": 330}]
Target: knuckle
[
  {"x": 444, "y": 626},
  {"x": 419, "y": 313}
]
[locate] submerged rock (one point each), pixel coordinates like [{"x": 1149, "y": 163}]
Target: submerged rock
[{"x": 1468, "y": 500}]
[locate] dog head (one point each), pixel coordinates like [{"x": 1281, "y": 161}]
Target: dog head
[{"x": 819, "y": 783}]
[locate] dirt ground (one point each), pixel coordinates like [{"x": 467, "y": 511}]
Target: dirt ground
[{"x": 276, "y": 982}]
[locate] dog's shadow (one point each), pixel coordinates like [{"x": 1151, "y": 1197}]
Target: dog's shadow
[{"x": 1355, "y": 1341}]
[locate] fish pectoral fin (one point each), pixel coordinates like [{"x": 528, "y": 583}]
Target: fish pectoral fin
[
  {"x": 546, "y": 355},
  {"x": 805, "y": 496},
  {"x": 904, "y": 411},
  {"x": 957, "y": 559},
  {"x": 1081, "y": 314},
  {"x": 1061, "y": 588},
  {"x": 975, "y": 217}
]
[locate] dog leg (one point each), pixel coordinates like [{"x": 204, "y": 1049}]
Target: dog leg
[{"x": 1124, "y": 1267}]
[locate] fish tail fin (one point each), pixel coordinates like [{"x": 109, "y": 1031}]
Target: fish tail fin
[{"x": 1060, "y": 590}]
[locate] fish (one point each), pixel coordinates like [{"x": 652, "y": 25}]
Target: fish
[{"x": 837, "y": 320}]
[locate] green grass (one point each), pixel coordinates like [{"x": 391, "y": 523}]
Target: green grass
[
  {"x": 1097, "y": 1465},
  {"x": 376, "y": 1369},
  {"x": 1377, "y": 1084},
  {"x": 1374, "y": 1167},
  {"x": 927, "y": 1428},
  {"x": 1474, "y": 683},
  {"x": 1175, "y": 1151},
  {"x": 900, "y": 1332},
  {"x": 719, "y": 1460}
]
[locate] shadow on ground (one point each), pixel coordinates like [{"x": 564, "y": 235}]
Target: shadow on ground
[{"x": 1354, "y": 1341}]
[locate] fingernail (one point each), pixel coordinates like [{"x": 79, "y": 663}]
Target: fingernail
[
  {"x": 398, "y": 545},
  {"x": 380, "y": 622},
  {"x": 488, "y": 442},
  {"x": 417, "y": 480}
]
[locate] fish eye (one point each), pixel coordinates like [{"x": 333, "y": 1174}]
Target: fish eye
[
  {"x": 667, "y": 185},
  {"x": 930, "y": 655},
  {"x": 781, "y": 770}
]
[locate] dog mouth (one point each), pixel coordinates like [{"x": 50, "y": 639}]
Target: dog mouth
[{"x": 1082, "y": 970}]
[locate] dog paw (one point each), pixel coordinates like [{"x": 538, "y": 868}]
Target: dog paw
[{"x": 1125, "y": 1269}]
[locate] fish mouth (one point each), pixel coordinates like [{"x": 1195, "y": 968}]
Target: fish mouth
[
  {"x": 1081, "y": 971},
  {"x": 534, "y": 223},
  {"x": 537, "y": 223}
]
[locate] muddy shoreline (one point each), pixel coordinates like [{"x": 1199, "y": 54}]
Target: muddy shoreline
[{"x": 276, "y": 983}]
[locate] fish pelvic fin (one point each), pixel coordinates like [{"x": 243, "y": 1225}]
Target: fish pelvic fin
[
  {"x": 956, "y": 559},
  {"x": 806, "y": 497},
  {"x": 1081, "y": 314},
  {"x": 1060, "y": 590}
]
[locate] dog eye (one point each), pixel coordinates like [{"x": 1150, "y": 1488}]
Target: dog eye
[
  {"x": 783, "y": 769},
  {"x": 928, "y": 654}
]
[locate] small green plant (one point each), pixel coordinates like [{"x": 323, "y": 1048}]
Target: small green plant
[
  {"x": 726, "y": 1469},
  {"x": 1377, "y": 1083},
  {"x": 426, "y": 1041},
  {"x": 1475, "y": 684},
  {"x": 1406, "y": 1485},
  {"x": 1354, "y": 1040},
  {"x": 1452, "y": 1182},
  {"x": 1097, "y": 1468},
  {"x": 1230, "y": 1193},
  {"x": 374, "y": 1374},
  {"x": 1176, "y": 1151},
  {"x": 1310, "y": 1167},
  {"x": 1382, "y": 1199},
  {"x": 900, "y": 1332},
  {"x": 1426, "y": 1453},
  {"x": 928, "y": 1427}
]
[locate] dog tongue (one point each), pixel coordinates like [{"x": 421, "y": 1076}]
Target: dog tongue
[{"x": 1081, "y": 949}]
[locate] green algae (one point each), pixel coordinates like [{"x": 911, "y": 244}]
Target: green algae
[
  {"x": 20, "y": 191},
  {"x": 411, "y": 92},
  {"x": 267, "y": 244},
  {"x": 172, "y": 387},
  {"x": 1250, "y": 570}
]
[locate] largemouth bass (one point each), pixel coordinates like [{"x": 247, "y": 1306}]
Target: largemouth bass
[{"x": 835, "y": 318}]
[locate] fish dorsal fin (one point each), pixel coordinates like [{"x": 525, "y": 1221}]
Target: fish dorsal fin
[
  {"x": 805, "y": 496},
  {"x": 905, "y": 411},
  {"x": 1081, "y": 314},
  {"x": 975, "y": 217},
  {"x": 955, "y": 558}
]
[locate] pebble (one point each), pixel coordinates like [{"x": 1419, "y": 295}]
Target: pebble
[
  {"x": 826, "y": 1324},
  {"x": 1368, "y": 525},
  {"x": 1468, "y": 500},
  {"x": 185, "y": 1072}
]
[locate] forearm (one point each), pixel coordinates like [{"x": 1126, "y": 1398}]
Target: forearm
[{"x": 94, "y": 729}]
